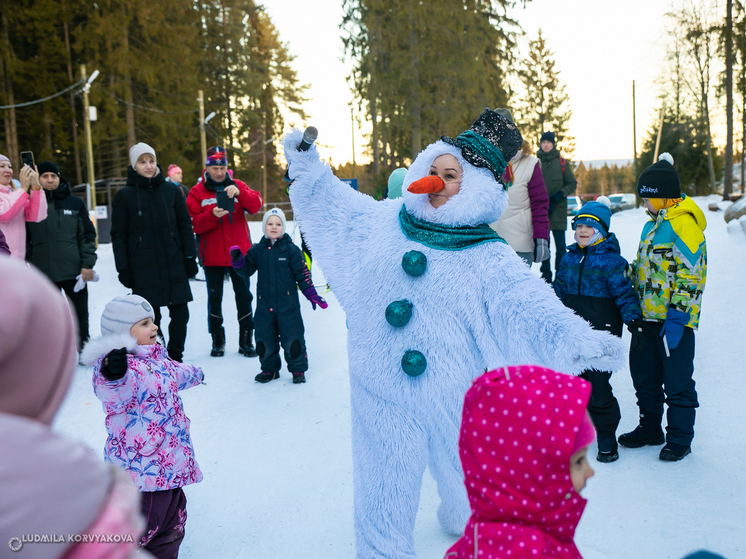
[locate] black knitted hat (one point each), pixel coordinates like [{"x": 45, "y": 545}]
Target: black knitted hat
[
  {"x": 48, "y": 167},
  {"x": 491, "y": 142},
  {"x": 548, "y": 136},
  {"x": 660, "y": 180}
]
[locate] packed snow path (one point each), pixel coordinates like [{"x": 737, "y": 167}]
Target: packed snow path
[{"x": 277, "y": 458}]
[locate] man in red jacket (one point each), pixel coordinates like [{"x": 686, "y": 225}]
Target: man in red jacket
[{"x": 219, "y": 229}]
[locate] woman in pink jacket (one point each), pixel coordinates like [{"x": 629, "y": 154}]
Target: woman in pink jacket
[{"x": 17, "y": 206}]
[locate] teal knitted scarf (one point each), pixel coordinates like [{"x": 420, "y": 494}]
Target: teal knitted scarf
[{"x": 445, "y": 237}]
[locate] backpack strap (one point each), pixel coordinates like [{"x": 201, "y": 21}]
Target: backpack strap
[{"x": 563, "y": 164}]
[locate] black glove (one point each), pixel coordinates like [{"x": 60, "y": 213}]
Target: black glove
[
  {"x": 557, "y": 197},
  {"x": 541, "y": 250},
  {"x": 126, "y": 279},
  {"x": 638, "y": 335},
  {"x": 191, "y": 267},
  {"x": 114, "y": 366}
]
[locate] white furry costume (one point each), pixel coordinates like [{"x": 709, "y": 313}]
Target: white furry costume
[{"x": 473, "y": 309}]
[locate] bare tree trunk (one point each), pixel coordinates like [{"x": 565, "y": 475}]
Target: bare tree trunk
[
  {"x": 11, "y": 130},
  {"x": 728, "y": 181},
  {"x": 48, "y": 142},
  {"x": 129, "y": 110},
  {"x": 414, "y": 94},
  {"x": 706, "y": 114},
  {"x": 71, "y": 95}
]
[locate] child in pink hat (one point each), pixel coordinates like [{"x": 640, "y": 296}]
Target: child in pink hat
[{"x": 524, "y": 437}]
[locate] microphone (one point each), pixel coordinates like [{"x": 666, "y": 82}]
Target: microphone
[{"x": 309, "y": 137}]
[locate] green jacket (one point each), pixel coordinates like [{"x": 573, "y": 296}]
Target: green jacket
[
  {"x": 671, "y": 264},
  {"x": 556, "y": 181},
  {"x": 65, "y": 242}
]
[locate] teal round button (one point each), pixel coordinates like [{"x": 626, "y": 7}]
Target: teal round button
[
  {"x": 399, "y": 313},
  {"x": 413, "y": 363},
  {"x": 414, "y": 263}
]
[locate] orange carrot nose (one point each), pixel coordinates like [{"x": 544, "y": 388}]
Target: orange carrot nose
[{"x": 426, "y": 185}]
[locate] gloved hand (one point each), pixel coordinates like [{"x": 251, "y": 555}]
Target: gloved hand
[
  {"x": 191, "y": 267},
  {"x": 638, "y": 337},
  {"x": 673, "y": 327},
  {"x": 555, "y": 199},
  {"x": 126, "y": 279},
  {"x": 315, "y": 298},
  {"x": 114, "y": 366},
  {"x": 237, "y": 258},
  {"x": 541, "y": 250}
]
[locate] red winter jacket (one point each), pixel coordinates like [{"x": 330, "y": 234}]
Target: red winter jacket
[{"x": 216, "y": 236}]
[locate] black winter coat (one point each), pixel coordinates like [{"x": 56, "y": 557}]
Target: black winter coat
[
  {"x": 152, "y": 236},
  {"x": 65, "y": 242},
  {"x": 281, "y": 267}
]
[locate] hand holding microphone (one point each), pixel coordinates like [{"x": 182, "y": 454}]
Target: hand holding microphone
[{"x": 309, "y": 137}]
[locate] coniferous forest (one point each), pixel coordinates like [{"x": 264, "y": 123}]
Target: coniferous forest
[
  {"x": 153, "y": 57},
  {"x": 419, "y": 70}
]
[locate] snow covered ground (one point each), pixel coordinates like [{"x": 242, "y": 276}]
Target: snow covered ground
[{"x": 277, "y": 457}]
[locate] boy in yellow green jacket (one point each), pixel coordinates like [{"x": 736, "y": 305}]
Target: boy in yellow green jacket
[{"x": 669, "y": 277}]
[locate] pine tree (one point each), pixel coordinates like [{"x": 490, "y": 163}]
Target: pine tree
[
  {"x": 422, "y": 70},
  {"x": 543, "y": 103}
]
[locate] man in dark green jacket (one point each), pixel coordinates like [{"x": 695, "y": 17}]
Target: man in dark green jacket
[
  {"x": 63, "y": 246},
  {"x": 560, "y": 184}
]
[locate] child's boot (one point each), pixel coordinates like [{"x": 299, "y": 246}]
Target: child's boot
[
  {"x": 264, "y": 376},
  {"x": 299, "y": 378},
  {"x": 218, "y": 342},
  {"x": 608, "y": 451},
  {"x": 245, "y": 345},
  {"x": 648, "y": 432},
  {"x": 673, "y": 452}
]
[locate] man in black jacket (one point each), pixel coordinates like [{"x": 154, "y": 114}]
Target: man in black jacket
[{"x": 63, "y": 246}]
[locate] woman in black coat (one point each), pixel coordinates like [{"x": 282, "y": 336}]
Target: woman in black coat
[{"x": 153, "y": 242}]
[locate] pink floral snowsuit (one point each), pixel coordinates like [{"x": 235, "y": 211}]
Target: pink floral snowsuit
[
  {"x": 148, "y": 430},
  {"x": 517, "y": 433}
]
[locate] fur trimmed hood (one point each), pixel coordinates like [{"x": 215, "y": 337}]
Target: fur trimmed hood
[
  {"x": 481, "y": 199},
  {"x": 96, "y": 348}
]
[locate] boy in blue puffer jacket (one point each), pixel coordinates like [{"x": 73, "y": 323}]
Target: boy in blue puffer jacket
[{"x": 592, "y": 281}]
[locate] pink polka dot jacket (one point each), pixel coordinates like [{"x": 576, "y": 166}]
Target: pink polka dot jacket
[
  {"x": 517, "y": 433},
  {"x": 145, "y": 420}
]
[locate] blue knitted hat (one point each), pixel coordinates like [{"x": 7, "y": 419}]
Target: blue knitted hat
[{"x": 596, "y": 215}]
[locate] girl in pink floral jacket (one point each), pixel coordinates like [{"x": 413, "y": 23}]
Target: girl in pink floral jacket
[{"x": 148, "y": 429}]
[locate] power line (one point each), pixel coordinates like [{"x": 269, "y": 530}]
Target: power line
[
  {"x": 73, "y": 86},
  {"x": 143, "y": 107}
]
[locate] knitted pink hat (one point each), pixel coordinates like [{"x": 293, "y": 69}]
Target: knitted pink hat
[
  {"x": 37, "y": 343},
  {"x": 173, "y": 169},
  {"x": 586, "y": 433}
]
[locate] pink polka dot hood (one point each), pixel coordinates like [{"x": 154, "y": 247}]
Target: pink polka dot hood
[{"x": 517, "y": 433}]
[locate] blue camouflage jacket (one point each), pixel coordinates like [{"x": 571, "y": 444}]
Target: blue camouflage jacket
[{"x": 593, "y": 282}]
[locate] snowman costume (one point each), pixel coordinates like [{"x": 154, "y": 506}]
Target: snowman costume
[{"x": 433, "y": 300}]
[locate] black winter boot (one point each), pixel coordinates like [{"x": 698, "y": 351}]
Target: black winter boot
[
  {"x": 245, "y": 345},
  {"x": 174, "y": 354},
  {"x": 648, "y": 432},
  {"x": 607, "y": 449},
  {"x": 266, "y": 377},
  {"x": 299, "y": 378},
  {"x": 218, "y": 342},
  {"x": 673, "y": 452}
]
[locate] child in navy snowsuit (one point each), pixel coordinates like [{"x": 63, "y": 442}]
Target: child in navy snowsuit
[
  {"x": 280, "y": 266},
  {"x": 592, "y": 281}
]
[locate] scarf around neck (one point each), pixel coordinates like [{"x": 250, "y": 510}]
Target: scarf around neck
[{"x": 445, "y": 237}]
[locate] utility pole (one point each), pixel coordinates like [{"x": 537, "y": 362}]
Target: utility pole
[
  {"x": 202, "y": 139},
  {"x": 634, "y": 131},
  {"x": 660, "y": 130},
  {"x": 264, "y": 161},
  {"x": 352, "y": 119},
  {"x": 91, "y": 190}
]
